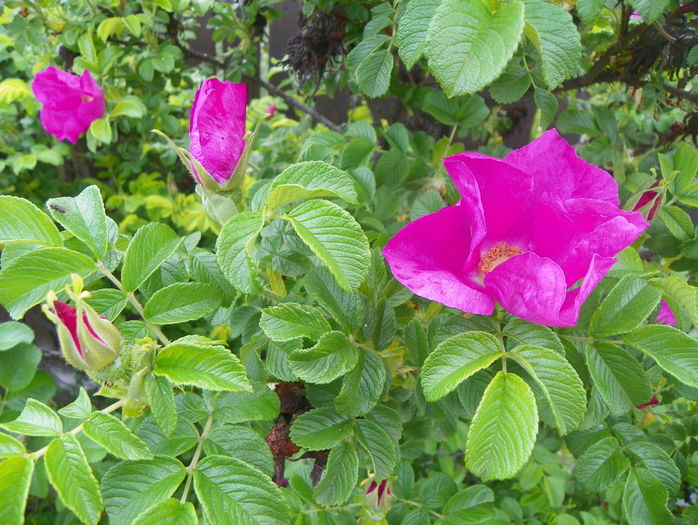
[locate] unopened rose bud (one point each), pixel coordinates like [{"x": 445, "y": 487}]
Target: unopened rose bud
[
  {"x": 378, "y": 500},
  {"x": 271, "y": 110}
]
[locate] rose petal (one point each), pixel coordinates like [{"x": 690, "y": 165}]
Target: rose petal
[
  {"x": 429, "y": 255},
  {"x": 665, "y": 315},
  {"x": 598, "y": 268}
]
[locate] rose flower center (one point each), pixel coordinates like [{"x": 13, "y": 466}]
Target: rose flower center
[{"x": 496, "y": 255}]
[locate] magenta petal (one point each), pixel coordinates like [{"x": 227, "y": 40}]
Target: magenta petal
[
  {"x": 665, "y": 315},
  {"x": 68, "y": 316},
  {"x": 651, "y": 402},
  {"x": 575, "y": 298},
  {"x": 428, "y": 256},
  {"x": 217, "y": 127},
  {"x": 530, "y": 287},
  {"x": 556, "y": 168}
]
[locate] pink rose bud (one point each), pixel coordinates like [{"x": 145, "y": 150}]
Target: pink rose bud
[
  {"x": 651, "y": 402},
  {"x": 527, "y": 229},
  {"x": 217, "y": 130},
  {"x": 69, "y": 103},
  {"x": 648, "y": 197},
  {"x": 271, "y": 110},
  {"x": 665, "y": 315},
  {"x": 378, "y": 498},
  {"x": 635, "y": 16}
]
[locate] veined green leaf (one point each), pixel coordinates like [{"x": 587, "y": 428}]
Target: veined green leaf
[
  {"x": 363, "y": 386},
  {"x": 169, "y": 512},
  {"x": 625, "y": 307},
  {"x": 289, "y": 321},
  {"x": 473, "y": 505},
  {"x": 371, "y": 62},
  {"x": 333, "y": 356},
  {"x": 182, "y": 302},
  {"x": 115, "y": 436},
  {"x": 234, "y": 249},
  {"x": 35, "y": 420},
  {"x": 347, "y": 309},
  {"x": 9, "y": 446},
  {"x": 645, "y": 499},
  {"x": 320, "y": 429},
  {"x": 13, "y": 333},
  {"x": 411, "y": 35},
  {"x": 601, "y": 465},
  {"x": 162, "y": 403},
  {"x": 150, "y": 247},
  {"x": 340, "y": 477},
  {"x": 650, "y": 10},
  {"x": 240, "y": 442},
  {"x": 81, "y": 408},
  {"x": 22, "y": 222},
  {"x": 15, "y": 479},
  {"x": 379, "y": 445},
  {"x": 84, "y": 217},
  {"x": 657, "y": 462}
]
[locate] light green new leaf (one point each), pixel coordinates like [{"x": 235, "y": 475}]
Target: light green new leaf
[
  {"x": 371, "y": 62},
  {"x": 151, "y": 246},
  {"x": 162, "y": 403},
  {"x": 650, "y": 10},
  {"x": 13, "y": 333},
  {"x": 130, "y": 488},
  {"x": 35, "y": 420},
  {"x": 310, "y": 180},
  {"x": 601, "y": 465},
  {"x": 18, "y": 366},
  {"x": 677, "y": 221},
  {"x": 412, "y": 29},
  {"x": 553, "y": 32},
  {"x": 234, "y": 249},
  {"x": 335, "y": 238},
  {"x": 562, "y": 387},
  {"x": 184, "y": 438},
  {"x": 469, "y": 43},
  {"x": 657, "y": 462},
  {"x": 533, "y": 335},
  {"x": 224, "y": 486},
  {"x": 379, "y": 445},
  {"x": 340, "y": 477},
  {"x": 320, "y": 429},
  {"x": 71, "y": 476},
  {"x": 81, "y": 408},
  {"x": 169, "y": 512},
  {"x": 182, "y": 302},
  {"x": 22, "y": 222},
  {"x": 363, "y": 386},
  {"x": 129, "y": 106},
  {"x": 503, "y": 431},
  {"x": 645, "y": 499},
  {"x": 9, "y": 446},
  {"x": 456, "y": 359},
  {"x": 618, "y": 376},
  {"x": 108, "y": 302},
  {"x": 674, "y": 351},
  {"x": 116, "y": 437},
  {"x": 289, "y": 321},
  {"x": 626, "y": 306},
  {"x": 211, "y": 367},
  {"x": 15, "y": 479},
  {"x": 332, "y": 357},
  {"x": 28, "y": 278},
  {"x": 84, "y": 217}
]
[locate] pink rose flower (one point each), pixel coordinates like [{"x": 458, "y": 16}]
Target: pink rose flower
[
  {"x": 665, "y": 315},
  {"x": 527, "y": 229},
  {"x": 70, "y": 103},
  {"x": 217, "y": 127}
]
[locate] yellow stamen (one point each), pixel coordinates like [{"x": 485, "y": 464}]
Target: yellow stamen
[{"x": 496, "y": 255}]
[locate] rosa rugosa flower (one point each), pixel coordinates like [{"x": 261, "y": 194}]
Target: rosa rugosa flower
[
  {"x": 665, "y": 315},
  {"x": 217, "y": 129},
  {"x": 70, "y": 103},
  {"x": 527, "y": 229}
]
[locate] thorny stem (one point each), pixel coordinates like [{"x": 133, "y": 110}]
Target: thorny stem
[
  {"x": 135, "y": 303},
  {"x": 195, "y": 459},
  {"x": 78, "y": 429}
]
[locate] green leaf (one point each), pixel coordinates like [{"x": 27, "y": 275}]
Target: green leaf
[
  {"x": 15, "y": 479},
  {"x": 363, "y": 386},
  {"x": 162, "y": 403},
  {"x": 310, "y": 180},
  {"x": 657, "y": 462},
  {"x": 18, "y": 366},
  {"x": 649, "y": 9},
  {"x": 618, "y": 376},
  {"x": 340, "y": 477},
  {"x": 456, "y": 359},
  {"x": 589, "y": 10},
  {"x": 71, "y": 476},
  {"x": 237, "y": 407},
  {"x": 212, "y": 367},
  {"x": 379, "y": 445},
  {"x": 108, "y": 302},
  {"x": 224, "y": 487},
  {"x": 335, "y": 238},
  {"x": 234, "y": 249},
  {"x": 533, "y": 335},
  {"x": 129, "y": 106},
  {"x": 562, "y": 388},
  {"x": 547, "y": 103},
  {"x": 84, "y": 217},
  {"x": 130, "y": 488},
  {"x": 673, "y": 350},
  {"x": 150, "y": 247},
  {"x": 169, "y": 512},
  {"x": 289, "y": 321},
  {"x": 470, "y": 505},
  {"x": 511, "y": 85},
  {"x": 81, "y": 408},
  {"x": 503, "y": 431},
  {"x": 320, "y": 429},
  {"x": 332, "y": 357},
  {"x": 9, "y": 446},
  {"x": 28, "y": 278},
  {"x": 371, "y": 62},
  {"x": 626, "y": 306},
  {"x": 677, "y": 221},
  {"x": 412, "y": 29},
  {"x": 346, "y": 309},
  {"x": 242, "y": 443},
  {"x": 13, "y": 333},
  {"x": 552, "y": 31},
  {"x": 115, "y": 436},
  {"x": 100, "y": 129},
  {"x": 469, "y": 43},
  {"x": 182, "y": 302},
  {"x": 35, "y": 420},
  {"x": 22, "y": 222},
  {"x": 645, "y": 499},
  {"x": 184, "y": 438},
  {"x": 601, "y": 465}
]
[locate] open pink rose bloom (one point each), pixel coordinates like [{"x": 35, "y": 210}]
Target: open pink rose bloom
[
  {"x": 217, "y": 127},
  {"x": 527, "y": 230},
  {"x": 70, "y": 103}
]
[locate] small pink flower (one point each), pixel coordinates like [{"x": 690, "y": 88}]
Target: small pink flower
[
  {"x": 217, "y": 127},
  {"x": 646, "y": 198},
  {"x": 527, "y": 229},
  {"x": 635, "y": 16},
  {"x": 665, "y": 315},
  {"x": 271, "y": 110},
  {"x": 70, "y": 103},
  {"x": 651, "y": 402}
]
